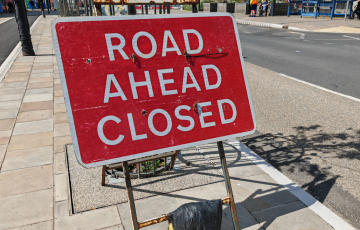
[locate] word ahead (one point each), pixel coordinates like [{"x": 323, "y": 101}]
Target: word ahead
[{"x": 139, "y": 86}]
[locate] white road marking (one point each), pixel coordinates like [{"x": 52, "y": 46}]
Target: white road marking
[
  {"x": 327, "y": 43},
  {"x": 351, "y": 37},
  {"x": 352, "y": 46},
  {"x": 335, "y": 39},
  {"x": 302, "y": 36},
  {"x": 319, "y": 87},
  {"x": 321, "y": 210},
  {"x": 6, "y": 20}
]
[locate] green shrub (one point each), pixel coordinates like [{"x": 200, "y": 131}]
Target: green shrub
[
  {"x": 187, "y": 7},
  {"x": 202, "y": 4}
]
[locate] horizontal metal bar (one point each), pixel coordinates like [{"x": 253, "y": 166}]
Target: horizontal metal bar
[
  {"x": 165, "y": 217},
  {"x": 132, "y": 162},
  {"x": 153, "y": 221}
]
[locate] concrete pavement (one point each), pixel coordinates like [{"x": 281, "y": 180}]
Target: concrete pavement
[{"x": 34, "y": 181}]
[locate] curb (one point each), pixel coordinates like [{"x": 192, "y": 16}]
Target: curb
[
  {"x": 4, "y": 68},
  {"x": 6, "y": 20},
  {"x": 271, "y": 25},
  {"x": 318, "y": 208}
]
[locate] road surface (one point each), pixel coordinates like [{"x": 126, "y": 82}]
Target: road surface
[
  {"x": 309, "y": 134},
  {"x": 10, "y": 36}
]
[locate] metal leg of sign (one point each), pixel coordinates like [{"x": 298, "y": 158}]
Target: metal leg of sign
[
  {"x": 146, "y": 9},
  {"x": 130, "y": 196},
  {"x": 154, "y": 170},
  {"x": 194, "y": 9},
  {"x": 154, "y": 9},
  {"x": 228, "y": 185},
  {"x": 103, "y": 175},
  {"x": 168, "y": 9},
  {"x": 98, "y": 10},
  {"x": 139, "y": 170},
  {"x": 173, "y": 159}
]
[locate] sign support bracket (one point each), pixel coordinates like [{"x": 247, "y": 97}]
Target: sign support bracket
[
  {"x": 229, "y": 199},
  {"x": 130, "y": 196},
  {"x": 228, "y": 185}
]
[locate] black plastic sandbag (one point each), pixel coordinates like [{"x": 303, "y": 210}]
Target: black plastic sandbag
[{"x": 197, "y": 216}]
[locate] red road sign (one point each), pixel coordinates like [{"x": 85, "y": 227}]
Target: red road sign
[{"x": 130, "y": 92}]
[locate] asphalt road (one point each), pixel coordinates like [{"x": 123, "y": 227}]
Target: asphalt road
[
  {"x": 310, "y": 135},
  {"x": 10, "y": 36},
  {"x": 327, "y": 60}
]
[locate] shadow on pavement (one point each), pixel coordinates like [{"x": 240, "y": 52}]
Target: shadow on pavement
[{"x": 319, "y": 162}]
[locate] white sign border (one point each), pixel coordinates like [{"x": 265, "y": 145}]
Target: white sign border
[{"x": 153, "y": 152}]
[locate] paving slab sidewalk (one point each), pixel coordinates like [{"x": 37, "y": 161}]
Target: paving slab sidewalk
[{"x": 34, "y": 182}]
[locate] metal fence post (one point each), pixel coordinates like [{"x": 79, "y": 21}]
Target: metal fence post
[
  {"x": 272, "y": 8},
  {"x": 347, "y": 6},
  {"x": 194, "y": 10},
  {"x": 86, "y": 8},
  {"x": 77, "y": 8},
  {"x": 41, "y": 2},
  {"x": 91, "y": 7}
]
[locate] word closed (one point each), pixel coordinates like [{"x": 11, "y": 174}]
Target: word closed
[{"x": 140, "y": 86}]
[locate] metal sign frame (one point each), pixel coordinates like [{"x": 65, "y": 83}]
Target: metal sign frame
[
  {"x": 157, "y": 151},
  {"x": 137, "y": 225},
  {"x": 227, "y": 200}
]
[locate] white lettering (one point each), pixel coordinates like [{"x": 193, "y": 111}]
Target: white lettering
[
  {"x": 187, "y": 71},
  {"x": 222, "y": 116},
  {"x": 202, "y": 114},
  {"x": 184, "y": 118},
  {"x": 134, "y": 84},
  {"x": 100, "y": 130},
  {"x": 132, "y": 129},
  {"x": 111, "y": 47},
  {"x": 136, "y": 48},
  {"x": 151, "y": 124},
  {"x": 167, "y": 35},
  {"x": 111, "y": 78},
  {"x": 187, "y": 44},
  {"x": 206, "y": 79},
  {"x": 164, "y": 82}
]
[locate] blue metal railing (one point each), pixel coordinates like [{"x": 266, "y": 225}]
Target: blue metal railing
[
  {"x": 309, "y": 8},
  {"x": 314, "y": 8},
  {"x": 334, "y": 14},
  {"x": 294, "y": 7}
]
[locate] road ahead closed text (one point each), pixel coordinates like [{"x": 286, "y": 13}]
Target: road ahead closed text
[{"x": 139, "y": 87}]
